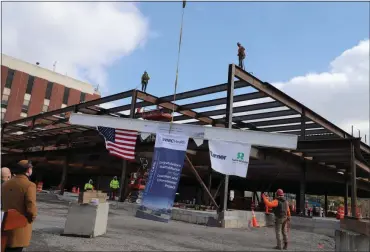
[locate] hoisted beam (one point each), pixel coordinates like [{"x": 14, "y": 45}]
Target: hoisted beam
[{"x": 257, "y": 138}]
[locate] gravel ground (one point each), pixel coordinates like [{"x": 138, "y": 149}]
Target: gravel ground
[{"x": 127, "y": 233}]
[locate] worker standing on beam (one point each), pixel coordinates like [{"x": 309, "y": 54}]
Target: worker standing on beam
[
  {"x": 282, "y": 216},
  {"x": 89, "y": 185},
  {"x": 241, "y": 55},
  {"x": 114, "y": 186},
  {"x": 144, "y": 81}
]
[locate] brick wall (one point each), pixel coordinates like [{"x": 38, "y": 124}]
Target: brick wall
[
  {"x": 37, "y": 96},
  {"x": 56, "y": 98},
  {"x": 16, "y": 97}
]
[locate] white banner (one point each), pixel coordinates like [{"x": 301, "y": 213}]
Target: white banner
[
  {"x": 229, "y": 158},
  {"x": 171, "y": 141}
]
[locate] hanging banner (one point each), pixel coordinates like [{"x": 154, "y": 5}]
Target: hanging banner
[
  {"x": 229, "y": 158},
  {"x": 164, "y": 177}
]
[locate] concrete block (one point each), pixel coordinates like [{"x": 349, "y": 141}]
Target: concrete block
[
  {"x": 87, "y": 220},
  {"x": 350, "y": 241}
]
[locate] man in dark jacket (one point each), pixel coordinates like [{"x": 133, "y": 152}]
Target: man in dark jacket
[
  {"x": 241, "y": 55},
  {"x": 19, "y": 193},
  {"x": 282, "y": 216},
  {"x": 144, "y": 81}
]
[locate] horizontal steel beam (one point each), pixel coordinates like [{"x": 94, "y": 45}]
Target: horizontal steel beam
[
  {"x": 199, "y": 132},
  {"x": 73, "y": 108},
  {"x": 240, "y": 109},
  {"x": 291, "y": 127},
  {"x": 185, "y": 95},
  {"x": 177, "y": 108},
  {"x": 277, "y": 122},
  {"x": 308, "y": 132}
]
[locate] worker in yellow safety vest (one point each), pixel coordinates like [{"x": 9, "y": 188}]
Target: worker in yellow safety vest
[
  {"x": 89, "y": 185},
  {"x": 114, "y": 186}
]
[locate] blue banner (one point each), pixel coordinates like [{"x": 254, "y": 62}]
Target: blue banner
[{"x": 164, "y": 177}]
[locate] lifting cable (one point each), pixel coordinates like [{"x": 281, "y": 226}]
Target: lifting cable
[{"x": 178, "y": 61}]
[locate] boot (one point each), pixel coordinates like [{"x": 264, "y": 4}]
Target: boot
[
  {"x": 285, "y": 246},
  {"x": 277, "y": 247}
]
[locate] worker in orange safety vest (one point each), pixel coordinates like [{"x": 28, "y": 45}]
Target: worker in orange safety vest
[{"x": 282, "y": 217}]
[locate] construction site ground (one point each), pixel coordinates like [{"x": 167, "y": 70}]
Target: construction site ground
[{"x": 128, "y": 233}]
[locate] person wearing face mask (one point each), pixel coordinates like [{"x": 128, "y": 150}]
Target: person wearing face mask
[{"x": 19, "y": 193}]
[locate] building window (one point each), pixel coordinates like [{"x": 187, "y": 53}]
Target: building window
[
  {"x": 45, "y": 106},
  {"x": 66, "y": 95},
  {"x": 82, "y": 97},
  {"x": 63, "y": 114},
  {"x": 9, "y": 78},
  {"x": 3, "y": 111},
  {"x": 23, "y": 115},
  {"x": 26, "y": 102},
  {"x": 30, "y": 82},
  {"x": 5, "y": 97},
  {"x": 49, "y": 89}
]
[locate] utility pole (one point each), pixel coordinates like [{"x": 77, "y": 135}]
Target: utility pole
[
  {"x": 359, "y": 133},
  {"x": 352, "y": 130}
]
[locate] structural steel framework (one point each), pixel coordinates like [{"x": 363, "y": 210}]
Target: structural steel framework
[{"x": 320, "y": 141}]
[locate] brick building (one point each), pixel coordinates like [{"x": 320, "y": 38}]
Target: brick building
[{"x": 28, "y": 89}]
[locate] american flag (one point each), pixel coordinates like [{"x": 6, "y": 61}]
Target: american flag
[{"x": 119, "y": 142}]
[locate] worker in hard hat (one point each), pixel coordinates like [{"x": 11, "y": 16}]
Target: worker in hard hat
[
  {"x": 144, "y": 81},
  {"x": 114, "y": 186},
  {"x": 282, "y": 216},
  {"x": 241, "y": 55},
  {"x": 89, "y": 185}
]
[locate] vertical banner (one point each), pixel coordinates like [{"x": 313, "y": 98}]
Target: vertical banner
[
  {"x": 164, "y": 177},
  {"x": 229, "y": 158}
]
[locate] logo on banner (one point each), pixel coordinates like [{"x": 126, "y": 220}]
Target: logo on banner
[
  {"x": 240, "y": 158},
  {"x": 218, "y": 156},
  {"x": 173, "y": 141}
]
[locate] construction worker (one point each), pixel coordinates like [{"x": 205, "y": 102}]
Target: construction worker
[
  {"x": 5, "y": 174},
  {"x": 144, "y": 81},
  {"x": 282, "y": 216},
  {"x": 89, "y": 185},
  {"x": 241, "y": 55},
  {"x": 114, "y": 186}
]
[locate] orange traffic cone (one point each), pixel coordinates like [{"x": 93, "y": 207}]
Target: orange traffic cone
[{"x": 254, "y": 220}]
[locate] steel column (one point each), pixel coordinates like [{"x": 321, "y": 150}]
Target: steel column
[
  {"x": 302, "y": 190},
  {"x": 124, "y": 162},
  {"x": 229, "y": 120},
  {"x": 326, "y": 204},
  {"x": 64, "y": 174},
  {"x": 303, "y": 125},
  {"x": 346, "y": 195},
  {"x": 353, "y": 181}
]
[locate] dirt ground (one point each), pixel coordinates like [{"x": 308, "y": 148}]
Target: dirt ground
[{"x": 127, "y": 233}]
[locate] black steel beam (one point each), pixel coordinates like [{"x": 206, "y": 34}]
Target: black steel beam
[
  {"x": 291, "y": 127},
  {"x": 277, "y": 122},
  {"x": 240, "y": 109},
  {"x": 308, "y": 132},
  {"x": 73, "y": 108},
  {"x": 324, "y": 144},
  {"x": 184, "y": 95}
]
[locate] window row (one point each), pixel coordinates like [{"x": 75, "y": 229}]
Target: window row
[{"x": 30, "y": 84}]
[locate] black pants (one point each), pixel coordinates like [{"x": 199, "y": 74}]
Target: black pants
[
  {"x": 241, "y": 62},
  {"x": 19, "y": 249},
  {"x": 143, "y": 86}
]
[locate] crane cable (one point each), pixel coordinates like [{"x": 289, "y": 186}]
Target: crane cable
[{"x": 178, "y": 61}]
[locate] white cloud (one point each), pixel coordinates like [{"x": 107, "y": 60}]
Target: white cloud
[
  {"x": 84, "y": 38},
  {"x": 342, "y": 94}
]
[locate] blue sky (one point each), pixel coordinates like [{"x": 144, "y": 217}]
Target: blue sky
[{"x": 282, "y": 40}]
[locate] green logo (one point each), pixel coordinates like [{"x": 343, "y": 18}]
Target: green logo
[{"x": 240, "y": 156}]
